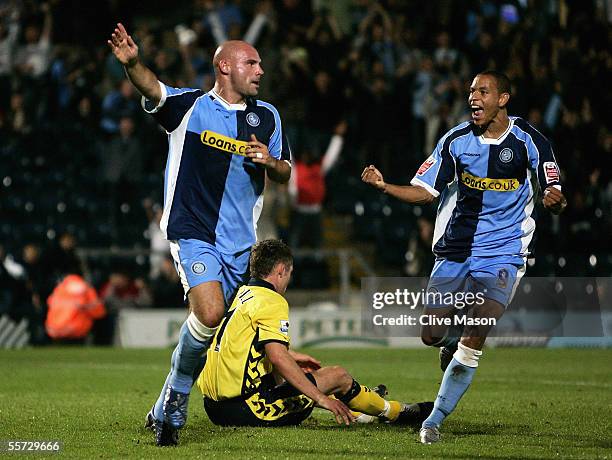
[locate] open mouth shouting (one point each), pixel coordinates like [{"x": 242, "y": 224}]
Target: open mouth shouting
[{"x": 477, "y": 112}]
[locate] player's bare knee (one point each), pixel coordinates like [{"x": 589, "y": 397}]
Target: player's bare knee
[
  {"x": 209, "y": 316},
  {"x": 344, "y": 379},
  {"x": 207, "y": 304},
  {"x": 473, "y": 342},
  {"x": 207, "y": 311}
]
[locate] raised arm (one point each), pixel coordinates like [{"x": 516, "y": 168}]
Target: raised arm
[
  {"x": 126, "y": 51},
  {"x": 414, "y": 194}
]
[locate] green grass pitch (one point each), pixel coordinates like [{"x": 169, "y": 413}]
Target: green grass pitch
[{"x": 523, "y": 404}]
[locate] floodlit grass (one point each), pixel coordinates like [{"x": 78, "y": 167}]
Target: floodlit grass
[{"x": 523, "y": 404}]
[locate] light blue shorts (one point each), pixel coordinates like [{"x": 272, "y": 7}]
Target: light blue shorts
[
  {"x": 493, "y": 278},
  {"x": 198, "y": 262}
]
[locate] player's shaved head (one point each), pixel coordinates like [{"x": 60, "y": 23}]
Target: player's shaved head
[
  {"x": 237, "y": 71},
  {"x": 229, "y": 50}
]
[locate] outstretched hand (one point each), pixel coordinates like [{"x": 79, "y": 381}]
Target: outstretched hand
[
  {"x": 123, "y": 46},
  {"x": 338, "y": 408},
  {"x": 373, "y": 176}
]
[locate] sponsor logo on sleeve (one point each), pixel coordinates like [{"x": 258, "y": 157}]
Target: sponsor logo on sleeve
[
  {"x": 427, "y": 164},
  {"x": 221, "y": 142},
  {"x": 551, "y": 172},
  {"x": 284, "y": 326}
]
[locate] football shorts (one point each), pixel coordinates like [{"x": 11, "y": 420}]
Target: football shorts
[
  {"x": 493, "y": 278},
  {"x": 270, "y": 405},
  {"x": 198, "y": 262}
]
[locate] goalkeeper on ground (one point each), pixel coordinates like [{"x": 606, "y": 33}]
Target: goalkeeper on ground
[{"x": 252, "y": 378}]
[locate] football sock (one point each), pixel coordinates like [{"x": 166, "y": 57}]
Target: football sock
[
  {"x": 188, "y": 359},
  {"x": 361, "y": 399},
  {"x": 456, "y": 380}
]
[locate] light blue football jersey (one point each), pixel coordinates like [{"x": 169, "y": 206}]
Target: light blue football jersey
[
  {"x": 487, "y": 189},
  {"x": 212, "y": 192}
]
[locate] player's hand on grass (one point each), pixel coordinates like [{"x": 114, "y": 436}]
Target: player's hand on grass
[
  {"x": 554, "y": 200},
  {"x": 306, "y": 362},
  {"x": 259, "y": 153},
  {"x": 338, "y": 408},
  {"x": 123, "y": 47},
  {"x": 373, "y": 176}
]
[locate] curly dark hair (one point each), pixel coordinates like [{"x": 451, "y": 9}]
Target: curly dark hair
[{"x": 266, "y": 254}]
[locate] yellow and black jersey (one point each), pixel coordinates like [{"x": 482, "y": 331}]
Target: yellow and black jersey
[{"x": 236, "y": 359}]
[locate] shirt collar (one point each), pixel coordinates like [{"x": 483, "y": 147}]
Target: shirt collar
[
  {"x": 261, "y": 283},
  {"x": 226, "y": 104}
]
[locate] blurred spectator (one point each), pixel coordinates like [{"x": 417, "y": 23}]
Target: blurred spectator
[
  {"x": 325, "y": 107},
  {"x": 122, "y": 158},
  {"x": 307, "y": 188},
  {"x": 418, "y": 255},
  {"x": 159, "y": 245},
  {"x": 118, "y": 293},
  {"x": 121, "y": 292},
  {"x": 73, "y": 307},
  {"x": 292, "y": 15},
  {"x": 33, "y": 57},
  {"x": 14, "y": 296},
  {"x": 445, "y": 57},
  {"x": 6, "y": 287},
  {"x": 325, "y": 46},
  {"x": 20, "y": 299},
  {"x": 61, "y": 258},
  {"x": 9, "y": 32},
  {"x": 18, "y": 119},
  {"x": 120, "y": 103},
  {"x": 39, "y": 287},
  {"x": 375, "y": 38},
  {"x": 422, "y": 103}
]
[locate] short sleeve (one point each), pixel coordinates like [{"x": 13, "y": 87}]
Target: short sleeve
[
  {"x": 438, "y": 170},
  {"x": 542, "y": 160},
  {"x": 173, "y": 105},
  {"x": 272, "y": 322},
  {"x": 278, "y": 145}
]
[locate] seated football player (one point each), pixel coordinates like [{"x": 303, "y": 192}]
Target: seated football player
[{"x": 252, "y": 378}]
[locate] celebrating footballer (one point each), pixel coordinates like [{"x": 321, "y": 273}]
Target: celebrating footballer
[{"x": 486, "y": 173}]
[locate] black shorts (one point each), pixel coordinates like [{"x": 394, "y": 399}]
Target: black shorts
[{"x": 270, "y": 405}]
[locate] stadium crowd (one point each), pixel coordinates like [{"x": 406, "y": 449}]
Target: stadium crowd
[{"x": 79, "y": 157}]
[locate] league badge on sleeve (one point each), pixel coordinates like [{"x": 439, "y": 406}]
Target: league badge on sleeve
[
  {"x": 427, "y": 164},
  {"x": 198, "y": 268},
  {"x": 551, "y": 172},
  {"x": 284, "y": 326}
]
